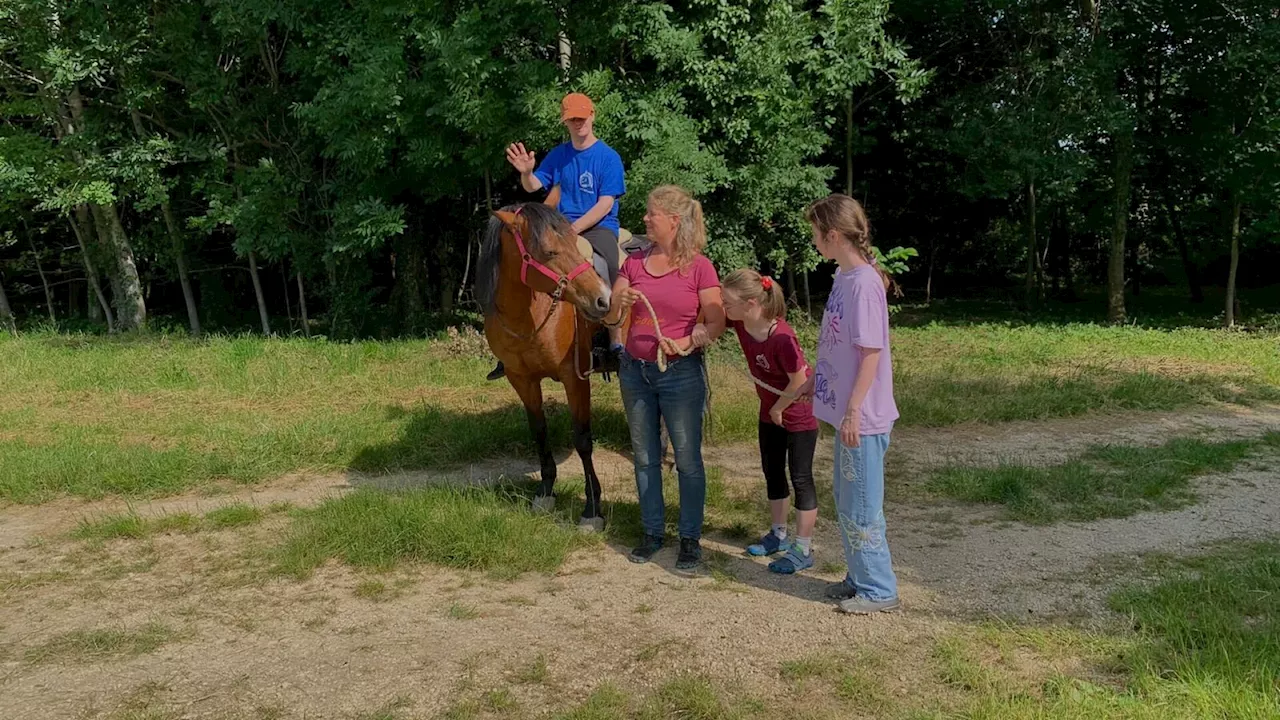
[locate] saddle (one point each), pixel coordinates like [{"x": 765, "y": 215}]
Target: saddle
[{"x": 627, "y": 244}]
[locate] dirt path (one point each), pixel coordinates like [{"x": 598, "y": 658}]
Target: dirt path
[{"x": 244, "y": 647}]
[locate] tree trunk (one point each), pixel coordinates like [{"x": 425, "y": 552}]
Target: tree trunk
[
  {"x": 808, "y": 297},
  {"x": 1115, "y": 268},
  {"x": 1033, "y": 245},
  {"x": 446, "y": 297},
  {"x": 1184, "y": 252},
  {"x": 127, "y": 288},
  {"x": 1235, "y": 262},
  {"x": 131, "y": 307},
  {"x": 284, "y": 285},
  {"x": 74, "y": 292},
  {"x": 928, "y": 281},
  {"x": 1068, "y": 274},
  {"x": 6, "y": 313},
  {"x": 1135, "y": 267},
  {"x": 184, "y": 273},
  {"x": 791, "y": 286},
  {"x": 257, "y": 291},
  {"x": 44, "y": 280},
  {"x": 411, "y": 285},
  {"x": 80, "y": 226},
  {"x": 848, "y": 145},
  {"x": 302, "y": 307},
  {"x": 175, "y": 241}
]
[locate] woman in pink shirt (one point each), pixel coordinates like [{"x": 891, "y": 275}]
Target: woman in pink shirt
[
  {"x": 852, "y": 390},
  {"x": 680, "y": 283}
]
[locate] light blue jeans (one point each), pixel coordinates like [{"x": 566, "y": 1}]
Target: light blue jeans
[
  {"x": 859, "y": 493},
  {"x": 678, "y": 396}
]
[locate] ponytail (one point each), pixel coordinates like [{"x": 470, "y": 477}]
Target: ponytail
[{"x": 751, "y": 285}]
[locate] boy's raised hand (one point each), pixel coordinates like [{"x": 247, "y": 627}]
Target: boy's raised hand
[{"x": 522, "y": 160}]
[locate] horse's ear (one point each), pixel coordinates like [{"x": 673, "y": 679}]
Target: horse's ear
[{"x": 508, "y": 218}]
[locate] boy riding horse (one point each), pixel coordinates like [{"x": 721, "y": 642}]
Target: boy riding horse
[{"x": 589, "y": 176}]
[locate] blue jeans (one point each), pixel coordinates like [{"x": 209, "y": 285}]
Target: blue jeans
[
  {"x": 678, "y": 396},
  {"x": 859, "y": 493}
]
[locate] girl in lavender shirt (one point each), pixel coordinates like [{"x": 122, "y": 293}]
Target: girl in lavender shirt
[{"x": 852, "y": 390}]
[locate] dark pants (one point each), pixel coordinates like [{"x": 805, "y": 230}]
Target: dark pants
[
  {"x": 605, "y": 242},
  {"x": 781, "y": 449}
]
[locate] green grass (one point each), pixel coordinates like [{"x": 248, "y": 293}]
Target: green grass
[
  {"x": 131, "y": 526},
  {"x": 535, "y": 673},
  {"x": 606, "y": 703},
  {"x": 487, "y": 530},
  {"x": 1108, "y": 481},
  {"x": 141, "y": 416},
  {"x": 84, "y": 646},
  {"x": 1213, "y": 623},
  {"x": 230, "y": 516},
  {"x": 1206, "y": 644},
  {"x": 810, "y": 666}
]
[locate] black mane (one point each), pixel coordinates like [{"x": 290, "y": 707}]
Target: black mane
[{"x": 539, "y": 219}]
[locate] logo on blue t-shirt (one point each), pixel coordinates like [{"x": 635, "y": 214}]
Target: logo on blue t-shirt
[{"x": 585, "y": 182}]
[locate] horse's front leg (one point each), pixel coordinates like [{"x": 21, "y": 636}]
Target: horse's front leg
[
  {"x": 530, "y": 392},
  {"x": 578, "y": 393}
]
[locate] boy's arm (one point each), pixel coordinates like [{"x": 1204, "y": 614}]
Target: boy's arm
[
  {"x": 530, "y": 182},
  {"x": 592, "y": 217}
]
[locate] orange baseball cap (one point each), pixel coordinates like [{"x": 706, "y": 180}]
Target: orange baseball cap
[{"x": 576, "y": 106}]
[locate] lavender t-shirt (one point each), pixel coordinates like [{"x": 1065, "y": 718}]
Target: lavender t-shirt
[{"x": 857, "y": 314}]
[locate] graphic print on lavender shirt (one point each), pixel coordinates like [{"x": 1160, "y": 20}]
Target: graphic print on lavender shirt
[
  {"x": 825, "y": 376},
  {"x": 832, "y": 316},
  {"x": 824, "y": 384}
]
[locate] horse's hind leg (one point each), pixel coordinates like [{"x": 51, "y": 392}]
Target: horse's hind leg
[
  {"x": 578, "y": 393},
  {"x": 530, "y": 392}
]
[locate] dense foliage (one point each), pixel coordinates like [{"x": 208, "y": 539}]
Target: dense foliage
[{"x": 328, "y": 164}]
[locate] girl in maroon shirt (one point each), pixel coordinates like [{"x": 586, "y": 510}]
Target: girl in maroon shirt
[{"x": 755, "y": 309}]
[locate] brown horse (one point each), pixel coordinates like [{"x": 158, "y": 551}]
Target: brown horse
[{"x": 542, "y": 303}]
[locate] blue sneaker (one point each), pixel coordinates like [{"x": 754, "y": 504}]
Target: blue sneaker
[
  {"x": 768, "y": 545},
  {"x": 793, "y": 562}
]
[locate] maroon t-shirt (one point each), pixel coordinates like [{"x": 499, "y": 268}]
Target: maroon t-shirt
[{"x": 771, "y": 361}]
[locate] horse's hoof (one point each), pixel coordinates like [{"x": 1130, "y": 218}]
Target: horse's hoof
[
  {"x": 591, "y": 525},
  {"x": 544, "y": 503}
]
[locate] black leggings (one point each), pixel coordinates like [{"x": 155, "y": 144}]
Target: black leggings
[
  {"x": 780, "y": 448},
  {"x": 605, "y": 242}
]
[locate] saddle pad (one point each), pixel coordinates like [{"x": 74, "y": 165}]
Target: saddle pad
[{"x": 626, "y": 241}]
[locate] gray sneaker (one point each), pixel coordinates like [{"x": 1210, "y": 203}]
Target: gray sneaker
[
  {"x": 840, "y": 591},
  {"x": 862, "y": 606}
]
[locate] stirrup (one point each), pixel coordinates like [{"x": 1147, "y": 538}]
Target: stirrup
[{"x": 600, "y": 363}]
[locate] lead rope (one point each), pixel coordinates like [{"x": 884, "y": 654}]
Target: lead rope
[{"x": 662, "y": 354}]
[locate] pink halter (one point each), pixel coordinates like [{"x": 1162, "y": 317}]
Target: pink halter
[{"x": 527, "y": 261}]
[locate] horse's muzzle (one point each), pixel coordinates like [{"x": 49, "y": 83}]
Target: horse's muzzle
[{"x": 601, "y": 306}]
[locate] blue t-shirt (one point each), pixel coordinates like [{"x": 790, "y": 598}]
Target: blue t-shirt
[{"x": 584, "y": 176}]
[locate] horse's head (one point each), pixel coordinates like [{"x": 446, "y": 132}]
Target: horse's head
[{"x": 538, "y": 244}]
